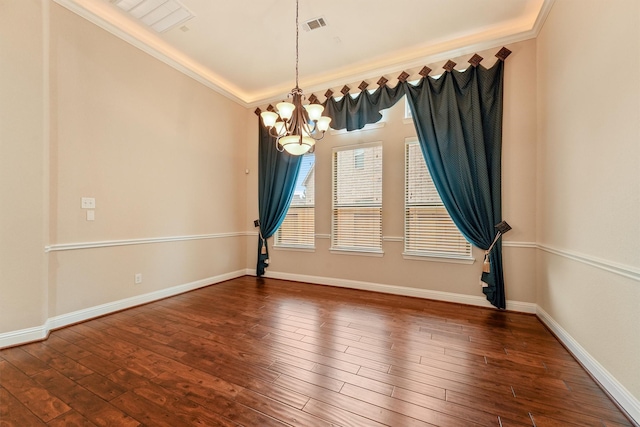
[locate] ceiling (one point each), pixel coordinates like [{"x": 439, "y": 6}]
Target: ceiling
[{"x": 245, "y": 49}]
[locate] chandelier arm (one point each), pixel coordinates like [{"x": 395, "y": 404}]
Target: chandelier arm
[
  {"x": 322, "y": 134},
  {"x": 284, "y": 131},
  {"x": 309, "y": 129},
  {"x": 279, "y": 146}
]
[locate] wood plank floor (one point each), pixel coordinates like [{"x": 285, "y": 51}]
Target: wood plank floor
[{"x": 256, "y": 352}]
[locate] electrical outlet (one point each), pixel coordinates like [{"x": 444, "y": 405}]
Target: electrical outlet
[
  {"x": 88, "y": 203},
  {"x": 138, "y": 278}
]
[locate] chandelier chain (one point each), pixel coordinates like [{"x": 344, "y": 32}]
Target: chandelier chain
[
  {"x": 296, "y": 127},
  {"x": 297, "y": 37}
]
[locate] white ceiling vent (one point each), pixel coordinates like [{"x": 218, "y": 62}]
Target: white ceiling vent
[
  {"x": 314, "y": 24},
  {"x": 161, "y": 15}
]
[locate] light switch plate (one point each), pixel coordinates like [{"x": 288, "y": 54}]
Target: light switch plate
[
  {"x": 91, "y": 215},
  {"x": 88, "y": 203}
]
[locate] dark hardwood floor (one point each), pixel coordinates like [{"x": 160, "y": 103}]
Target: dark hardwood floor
[{"x": 272, "y": 353}]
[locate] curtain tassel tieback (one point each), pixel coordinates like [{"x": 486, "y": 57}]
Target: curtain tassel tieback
[
  {"x": 502, "y": 228},
  {"x": 263, "y": 249},
  {"x": 486, "y": 265}
]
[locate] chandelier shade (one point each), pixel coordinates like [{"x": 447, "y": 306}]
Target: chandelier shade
[
  {"x": 297, "y": 145},
  {"x": 295, "y": 126}
]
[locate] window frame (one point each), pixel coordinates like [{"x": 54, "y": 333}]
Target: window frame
[
  {"x": 277, "y": 244},
  {"x": 463, "y": 258},
  {"x": 363, "y": 251}
]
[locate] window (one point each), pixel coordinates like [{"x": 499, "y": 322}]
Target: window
[
  {"x": 358, "y": 158},
  {"x": 298, "y": 228},
  {"x": 428, "y": 229},
  {"x": 407, "y": 110},
  {"x": 357, "y": 199}
]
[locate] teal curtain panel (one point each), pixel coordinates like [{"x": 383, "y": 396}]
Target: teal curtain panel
[
  {"x": 277, "y": 174},
  {"x": 458, "y": 118}
]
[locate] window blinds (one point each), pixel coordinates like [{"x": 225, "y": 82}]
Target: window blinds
[
  {"x": 298, "y": 228},
  {"x": 357, "y": 199},
  {"x": 429, "y": 229}
]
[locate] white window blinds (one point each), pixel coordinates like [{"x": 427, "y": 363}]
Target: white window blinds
[
  {"x": 298, "y": 228},
  {"x": 429, "y": 230},
  {"x": 357, "y": 199}
]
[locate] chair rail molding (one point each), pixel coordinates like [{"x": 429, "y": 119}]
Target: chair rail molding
[
  {"x": 603, "y": 264},
  {"x": 143, "y": 241}
]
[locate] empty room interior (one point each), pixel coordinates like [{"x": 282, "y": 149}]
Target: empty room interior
[{"x": 140, "y": 181}]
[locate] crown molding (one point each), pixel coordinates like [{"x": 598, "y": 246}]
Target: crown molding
[{"x": 102, "y": 15}]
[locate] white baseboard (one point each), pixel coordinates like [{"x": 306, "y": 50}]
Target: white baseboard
[
  {"x": 480, "y": 301},
  {"x": 23, "y": 336},
  {"x": 617, "y": 391}
]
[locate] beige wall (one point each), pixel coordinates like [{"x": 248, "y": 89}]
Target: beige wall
[
  {"x": 163, "y": 156},
  {"x": 589, "y": 179},
  {"x": 518, "y": 201},
  {"x": 23, "y": 145}
]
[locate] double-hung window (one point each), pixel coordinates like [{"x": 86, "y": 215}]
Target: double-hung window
[
  {"x": 357, "y": 199},
  {"x": 298, "y": 228},
  {"x": 428, "y": 230}
]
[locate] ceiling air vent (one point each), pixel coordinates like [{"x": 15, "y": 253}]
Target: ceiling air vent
[
  {"x": 314, "y": 24},
  {"x": 161, "y": 15}
]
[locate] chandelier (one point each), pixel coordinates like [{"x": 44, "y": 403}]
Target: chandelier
[{"x": 296, "y": 127}]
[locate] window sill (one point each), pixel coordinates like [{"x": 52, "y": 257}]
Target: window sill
[
  {"x": 438, "y": 258},
  {"x": 358, "y": 252},
  {"x": 295, "y": 248}
]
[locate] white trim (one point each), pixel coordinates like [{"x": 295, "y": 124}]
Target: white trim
[
  {"x": 542, "y": 17},
  {"x": 144, "y": 241},
  {"x": 23, "y": 336},
  {"x": 323, "y": 236},
  {"x": 393, "y": 239},
  {"x": 438, "y": 258},
  {"x": 480, "y": 301},
  {"x": 370, "y": 126},
  {"x": 293, "y": 248},
  {"x": 624, "y": 398},
  {"x": 510, "y": 244},
  {"x": 377, "y": 143},
  {"x": 603, "y": 264},
  {"x": 357, "y": 252}
]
